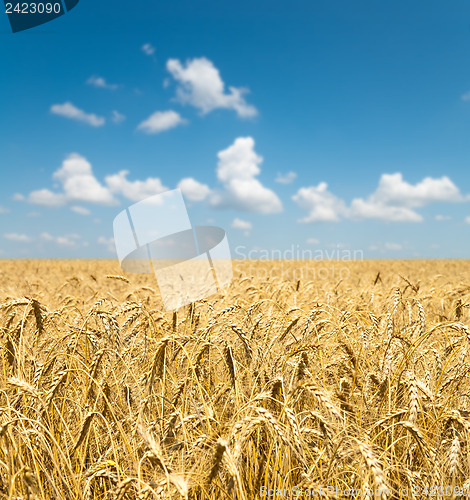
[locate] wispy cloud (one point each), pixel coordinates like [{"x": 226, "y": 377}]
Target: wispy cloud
[
  {"x": 117, "y": 117},
  {"x": 69, "y": 240},
  {"x": 312, "y": 241},
  {"x": 108, "y": 243},
  {"x": 466, "y": 96},
  {"x": 241, "y": 224},
  {"x": 286, "y": 178},
  {"x": 18, "y": 237},
  {"x": 69, "y": 110},
  {"x": 160, "y": 121},
  {"x": 100, "y": 82},
  {"x": 148, "y": 49},
  {"x": 244, "y": 225},
  {"x": 393, "y": 246},
  {"x": 80, "y": 210}
]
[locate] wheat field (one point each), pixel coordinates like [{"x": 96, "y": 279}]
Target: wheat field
[{"x": 278, "y": 386}]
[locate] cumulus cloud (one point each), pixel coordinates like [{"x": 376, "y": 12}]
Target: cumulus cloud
[
  {"x": 134, "y": 190},
  {"x": 161, "y": 121},
  {"x": 287, "y": 178},
  {"x": 393, "y": 190},
  {"x": 78, "y": 185},
  {"x": 443, "y": 217},
  {"x": 201, "y": 86},
  {"x": 69, "y": 110},
  {"x": 466, "y": 96},
  {"x": 194, "y": 190},
  {"x": 321, "y": 204},
  {"x": 393, "y": 200},
  {"x": 148, "y": 49},
  {"x": 4, "y": 210},
  {"x": 20, "y": 238},
  {"x": 117, "y": 117},
  {"x": 237, "y": 168},
  {"x": 100, "y": 82}
]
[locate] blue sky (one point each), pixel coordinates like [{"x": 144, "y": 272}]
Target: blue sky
[{"x": 318, "y": 124}]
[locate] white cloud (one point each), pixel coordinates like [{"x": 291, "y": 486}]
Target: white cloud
[
  {"x": 161, "y": 121},
  {"x": 466, "y": 96},
  {"x": 241, "y": 224},
  {"x": 69, "y": 240},
  {"x": 321, "y": 204},
  {"x": 312, "y": 241},
  {"x": 118, "y": 117},
  {"x": 100, "y": 82},
  {"x": 108, "y": 243},
  {"x": 393, "y": 190},
  {"x": 193, "y": 190},
  {"x": 68, "y": 110},
  {"x": 34, "y": 214},
  {"x": 4, "y": 210},
  {"x": 467, "y": 219},
  {"x": 393, "y": 200},
  {"x": 46, "y": 198},
  {"x": 65, "y": 241},
  {"x": 201, "y": 86},
  {"x": 80, "y": 210},
  {"x": 21, "y": 238},
  {"x": 134, "y": 190},
  {"x": 393, "y": 246},
  {"x": 287, "y": 178},
  {"x": 78, "y": 183},
  {"x": 148, "y": 49},
  {"x": 362, "y": 209},
  {"x": 443, "y": 217},
  {"x": 18, "y": 197},
  {"x": 236, "y": 170}
]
